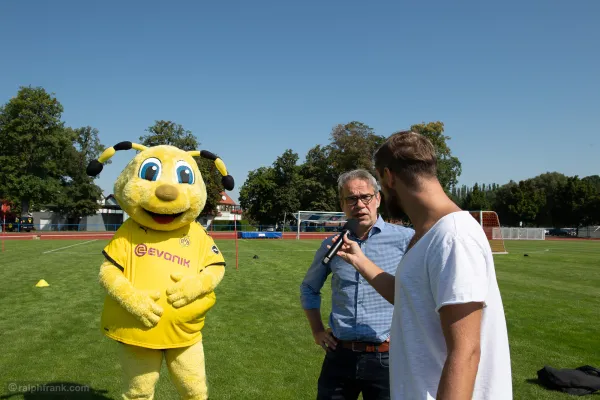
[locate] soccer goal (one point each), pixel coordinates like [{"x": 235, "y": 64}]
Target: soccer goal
[
  {"x": 319, "y": 223},
  {"x": 491, "y": 223}
]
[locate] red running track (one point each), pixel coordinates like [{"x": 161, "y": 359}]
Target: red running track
[{"x": 109, "y": 235}]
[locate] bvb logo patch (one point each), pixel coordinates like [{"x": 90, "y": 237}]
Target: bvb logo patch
[
  {"x": 184, "y": 241},
  {"x": 215, "y": 249}
]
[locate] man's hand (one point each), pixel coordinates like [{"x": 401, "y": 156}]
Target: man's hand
[
  {"x": 185, "y": 290},
  {"x": 382, "y": 281},
  {"x": 325, "y": 339},
  {"x": 350, "y": 251}
]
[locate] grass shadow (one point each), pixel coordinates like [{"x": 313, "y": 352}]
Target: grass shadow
[
  {"x": 537, "y": 382},
  {"x": 55, "y": 391}
]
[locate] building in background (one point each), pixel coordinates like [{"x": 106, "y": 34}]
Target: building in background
[
  {"x": 227, "y": 210},
  {"x": 108, "y": 218}
]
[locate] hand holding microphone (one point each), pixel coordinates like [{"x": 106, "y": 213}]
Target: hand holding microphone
[{"x": 342, "y": 246}]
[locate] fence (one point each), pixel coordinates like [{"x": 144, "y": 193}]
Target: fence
[
  {"x": 113, "y": 227},
  {"x": 246, "y": 228},
  {"x": 591, "y": 232},
  {"x": 519, "y": 233},
  {"x": 59, "y": 227}
]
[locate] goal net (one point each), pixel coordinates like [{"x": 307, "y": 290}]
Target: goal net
[
  {"x": 519, "y": 233},
  {"x": 319, "y": 223},
  {"x": 490, "y": 223}
]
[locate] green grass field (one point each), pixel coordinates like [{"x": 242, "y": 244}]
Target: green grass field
[{"x": 257, "y": 341}]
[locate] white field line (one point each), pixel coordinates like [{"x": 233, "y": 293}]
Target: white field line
[
  {"x": 65, "y": 235},
  {"x": 268, "y": 250},
  {"x": 222, "y": 251},
  {"x": 83, "y": 235},
  {"x": 538, "y": 251},
  {"x": 68, "y": 247}
]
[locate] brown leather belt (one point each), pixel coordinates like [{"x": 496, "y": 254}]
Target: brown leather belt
[{"x": 365, "y": 346}]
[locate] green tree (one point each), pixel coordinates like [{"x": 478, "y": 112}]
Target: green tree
[
  {"x": 171, "y": 133},
  {"x": 289, "y": 185},
  {"x": 319, "y": 183},
  {"x": 550, "y": 183},
  {"x": 503, "y": 199},
  {"x": 592, "y": 210},
  {"x": 33, "y": 148},
  {"x": 270, "y": 195},
  {"x": 88, "y": 145},
  {"x": 265, "y": 197},
  {"x": 461, "y": 193},
  {"x": 78, "y": 195},
  {"x": 476, "y": 200},
  {"x": 312, "y": 185},
  {"x": 594, "y": 181},
  {"x": 490, "y": 195},
  {"x": 256, "y": 196},
  {"x": 574, "y": 201},
  {"x": 526, "y": 201},
  {"x": 449, "y": 167},
  {"x": 352, "y": 146}
]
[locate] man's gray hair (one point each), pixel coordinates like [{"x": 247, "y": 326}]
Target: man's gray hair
[{"x": 361, "y": 174}]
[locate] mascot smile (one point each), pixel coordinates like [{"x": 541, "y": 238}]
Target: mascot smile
[{"x": 161, "y": 269}]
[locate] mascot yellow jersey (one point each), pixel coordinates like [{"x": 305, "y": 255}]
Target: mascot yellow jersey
[{"x": 148, "y": 258}]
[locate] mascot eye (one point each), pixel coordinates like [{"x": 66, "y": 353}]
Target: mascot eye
[
  {"x": 184, "y": 173},
  {"x": 150, "y": 169}
]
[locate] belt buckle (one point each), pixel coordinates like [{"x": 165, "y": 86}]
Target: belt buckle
[{"x": 353, "y": 343}]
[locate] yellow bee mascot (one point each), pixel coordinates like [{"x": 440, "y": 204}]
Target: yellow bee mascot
[{"x": 161, "y": 269}]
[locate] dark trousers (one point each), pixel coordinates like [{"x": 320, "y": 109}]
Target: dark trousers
[{"x": 346, "y": 373}]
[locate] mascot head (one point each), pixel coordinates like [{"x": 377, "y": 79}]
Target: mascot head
[{"x": 161, "y": 188}]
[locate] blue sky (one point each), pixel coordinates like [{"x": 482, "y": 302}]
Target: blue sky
[{"x": 517, "y": 84}]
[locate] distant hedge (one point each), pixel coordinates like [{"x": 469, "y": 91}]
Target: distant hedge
[{"x": 242, "y": 225}]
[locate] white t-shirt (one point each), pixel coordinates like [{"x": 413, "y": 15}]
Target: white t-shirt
[{"x": 451, "y": 264}]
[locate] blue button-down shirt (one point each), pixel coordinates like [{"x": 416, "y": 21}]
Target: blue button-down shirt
[{"x": 358, "y": 312}]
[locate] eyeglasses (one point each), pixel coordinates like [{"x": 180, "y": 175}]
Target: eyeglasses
[{"x": 353, "y": 200}]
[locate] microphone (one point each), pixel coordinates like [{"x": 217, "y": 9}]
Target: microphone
[{"x": 349, "y": 226}]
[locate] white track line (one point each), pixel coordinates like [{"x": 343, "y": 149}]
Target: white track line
[{"x": 67, "y": 247}]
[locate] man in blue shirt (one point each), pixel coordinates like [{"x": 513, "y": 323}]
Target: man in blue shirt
[{"x": 357, "y": 342}]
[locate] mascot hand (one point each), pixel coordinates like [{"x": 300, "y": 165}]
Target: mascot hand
[
  {"x": 185, "y": 290},
  {"x": 139, "y": 303},
  {"x": 142, "y": 304}
]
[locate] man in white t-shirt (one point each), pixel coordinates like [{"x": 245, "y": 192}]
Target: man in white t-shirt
[{"x": 449, "y": 338}]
